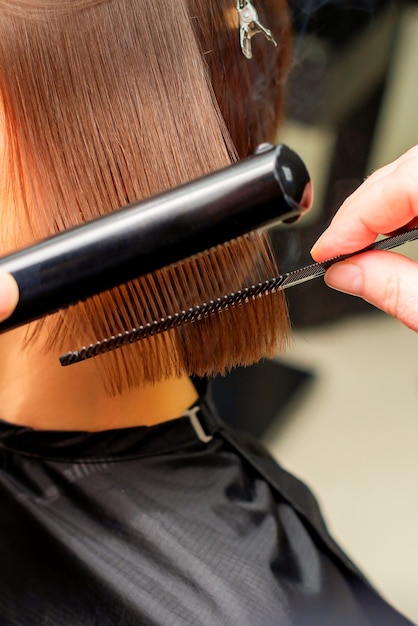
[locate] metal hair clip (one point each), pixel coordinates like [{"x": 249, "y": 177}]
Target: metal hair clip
[{"x": 249, "y": 25}]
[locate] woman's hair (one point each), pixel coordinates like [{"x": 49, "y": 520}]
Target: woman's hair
[{"x": 104, "y": 102}]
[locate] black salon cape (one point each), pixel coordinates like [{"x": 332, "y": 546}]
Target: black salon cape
[{"x": 146, "y": 526}]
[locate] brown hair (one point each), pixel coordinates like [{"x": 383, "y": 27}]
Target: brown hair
[{"x": 104, "y": 102}]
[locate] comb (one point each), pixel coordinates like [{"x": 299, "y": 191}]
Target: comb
[{"x": 223, "y": 303}]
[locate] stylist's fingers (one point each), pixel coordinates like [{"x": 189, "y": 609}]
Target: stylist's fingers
[
  {"x": 9, "y": 295},
  {"x": 386, "y": 201},
  {"x": 385, "y": 279}
]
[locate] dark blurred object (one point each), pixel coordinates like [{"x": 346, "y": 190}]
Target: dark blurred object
[
  {"x": 252, "y": 398},
  {"x": 335, "y": 21}
]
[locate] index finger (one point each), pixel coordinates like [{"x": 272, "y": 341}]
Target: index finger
[{"x": 386, "y": 201}]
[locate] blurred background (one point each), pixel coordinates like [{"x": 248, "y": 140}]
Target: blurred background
[{"x": 340, "y": 409}]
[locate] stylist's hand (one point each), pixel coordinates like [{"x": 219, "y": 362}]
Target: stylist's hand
[
  {"x": 386, "y": 201},
  {"x": 9, "y": 295}
]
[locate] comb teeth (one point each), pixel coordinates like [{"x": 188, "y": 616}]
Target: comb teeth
[
  {"x": 192, "y": 315},
  {"x": 223, "y": 303}
]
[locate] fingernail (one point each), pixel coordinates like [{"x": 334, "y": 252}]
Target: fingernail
[
  {"x": 345, "y": 277},
  {"x": 315, "y": 246},
  {"x": 9, "y": 295}
]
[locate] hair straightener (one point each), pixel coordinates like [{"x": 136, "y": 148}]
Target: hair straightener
[{"x": 271, "y": 186}]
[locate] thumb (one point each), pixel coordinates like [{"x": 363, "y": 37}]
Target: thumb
[
  {"x": 387, "y": 280},
  {"x": 9, "y": 295}
]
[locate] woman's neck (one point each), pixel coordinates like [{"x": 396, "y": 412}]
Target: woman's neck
[{"x": 36, "y": 391}]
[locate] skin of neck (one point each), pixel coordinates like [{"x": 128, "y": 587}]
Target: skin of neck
[{"x": 37, "y": 392}]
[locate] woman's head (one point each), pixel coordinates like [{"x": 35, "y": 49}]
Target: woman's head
[{"x": 108, "y": 101}]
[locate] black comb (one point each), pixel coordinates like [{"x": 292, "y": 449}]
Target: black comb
[{"x": 237, "y": 298}]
